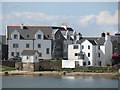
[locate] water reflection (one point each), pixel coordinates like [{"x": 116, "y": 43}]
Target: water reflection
[
  {"x": 90, "y": 77},
  {"x": 60, "y": 81}
]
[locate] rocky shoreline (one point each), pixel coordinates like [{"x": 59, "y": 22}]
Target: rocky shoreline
[{"x": 40, "y": 73}]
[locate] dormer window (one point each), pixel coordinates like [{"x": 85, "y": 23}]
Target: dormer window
[
  {"x": 15, "y": 36},
  {"x": 39, "y": 36},
  {"x": 57, "y": 36}
]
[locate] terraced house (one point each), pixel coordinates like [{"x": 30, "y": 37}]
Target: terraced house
[
  {"x": 91, "y": 51},
  {"x": 50, "y": 41}
]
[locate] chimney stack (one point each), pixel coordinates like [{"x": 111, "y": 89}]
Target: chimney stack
[
  {"x": 22, "y": 26},
  {"x": 107, "y": 36},
  {"x": 64, "y": 25},
  {"x": 102, "y": 34}
]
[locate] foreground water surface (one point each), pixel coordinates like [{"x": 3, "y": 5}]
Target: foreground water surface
[{"x": 60, "y": 82}]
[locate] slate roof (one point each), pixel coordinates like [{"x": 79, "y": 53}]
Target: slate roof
[
  {"x": 97, "y": 40},
  {"x": 115, "y": 38},
  {"x": 31, "y": 30},
  {"x": 29, "y": 52},
  {"x": 93, "y": 42}
]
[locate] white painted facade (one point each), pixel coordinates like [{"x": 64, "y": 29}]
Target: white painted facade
[
  {"x": 30, "y": 58},
  {"x": 33, "y": 45},
  {"x": 71, "y": 63},
  {"x": 94, "y": 55}
]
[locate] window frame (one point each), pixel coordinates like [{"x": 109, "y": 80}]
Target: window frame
[
  {"x": 15, "y": 45},
  {"x": 12, "y": 54},
  {"x": 39, "y": 37},
  {"x": 40, "y": 54},
  {"x": 76, "y": 54},
  {"x": 88, "y": 54},
  {"x": 98, "y": 54},
  {"x": 39, "y": 45},
  {"x": 27, "y": 45},
  {"x": 47, "y": 51},
  {"x": 74, "y": 46},
  {"x": 88, "y": 46},
  {"x": 16, "y": 36}
]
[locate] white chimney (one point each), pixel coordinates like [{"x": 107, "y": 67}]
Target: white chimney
[
  {"x": 107, "y": 36},
  {"x": 64, "y": 25},
  {"x": 22, "y": 26}
]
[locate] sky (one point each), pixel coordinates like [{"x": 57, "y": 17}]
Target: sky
[{"x": 88, "y": 18}]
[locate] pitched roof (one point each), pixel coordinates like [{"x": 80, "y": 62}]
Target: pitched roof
[
  {"x": 93, "y": 42},
  {"x": 115, "y": 38},
  {"x": 28, "y": 52},
  {"x": 97, "y": 40},
  {"x": 31, "y": 30}
]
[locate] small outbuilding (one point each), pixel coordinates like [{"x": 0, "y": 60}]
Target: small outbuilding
[{"x": 30, "y": 60}]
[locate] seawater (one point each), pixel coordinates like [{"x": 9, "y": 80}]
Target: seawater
[{"x": 60, "y": 81}]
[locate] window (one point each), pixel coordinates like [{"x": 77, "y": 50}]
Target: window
[
  {"x": 36, "y": 57},
  {"x": 83, "y": 56},
  {"x": 40, "y": 54},
  {"x": 76, "y": 63},
  {"x": 17, "y": 54},
  {"x": 76, "y": 54},
  {"x": 39, "y": 45},
  {"x": 88, "y": 46},
  {"x": 27, "y": 57},
  {"x": 98, "y": 54},
  {"x": 47, "y": 50},
  {"x": 15, "y": 45},
  {"x": 57, "y": 36},
  {"x": 84, "y": 63},
  {"x": 12, "y": 53},
  {"x": 88, "y": 62},
  {"x": 99, "y": 47},
  {"x": 75, "y": 47},
  {"x": 15, "y": 36},
  {"x": 82, "y": 47},
  {"x": 88, "y": 54},
  {"x": 27, "y": 45},
  {"x": 99, "y": 63},
  {"x": 39, "y": 36}
]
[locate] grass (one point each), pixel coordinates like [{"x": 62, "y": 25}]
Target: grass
[{"x": 6, "y": 68}]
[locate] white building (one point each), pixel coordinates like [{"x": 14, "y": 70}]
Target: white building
[
  {"x": 48, "y": 40},
  {"x": 89, "y": 52},
  {"x": 30, "y": 60},
  {"x": 27, "y": 38},
  {"x": 30, "y": 56}
]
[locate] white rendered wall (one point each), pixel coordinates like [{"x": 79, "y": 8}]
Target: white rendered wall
[
  {"x": 108, "y": 52},
  {"x": 71, "y": 63},
  {"x": 31, "y": 58},
  {"x": 22, "y": 45},
  {"x": 86, "y": 51},
  {"x": 71, "y": 52}
]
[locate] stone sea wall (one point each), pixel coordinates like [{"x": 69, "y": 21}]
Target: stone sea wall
[{"x": 50, "y": 64}]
